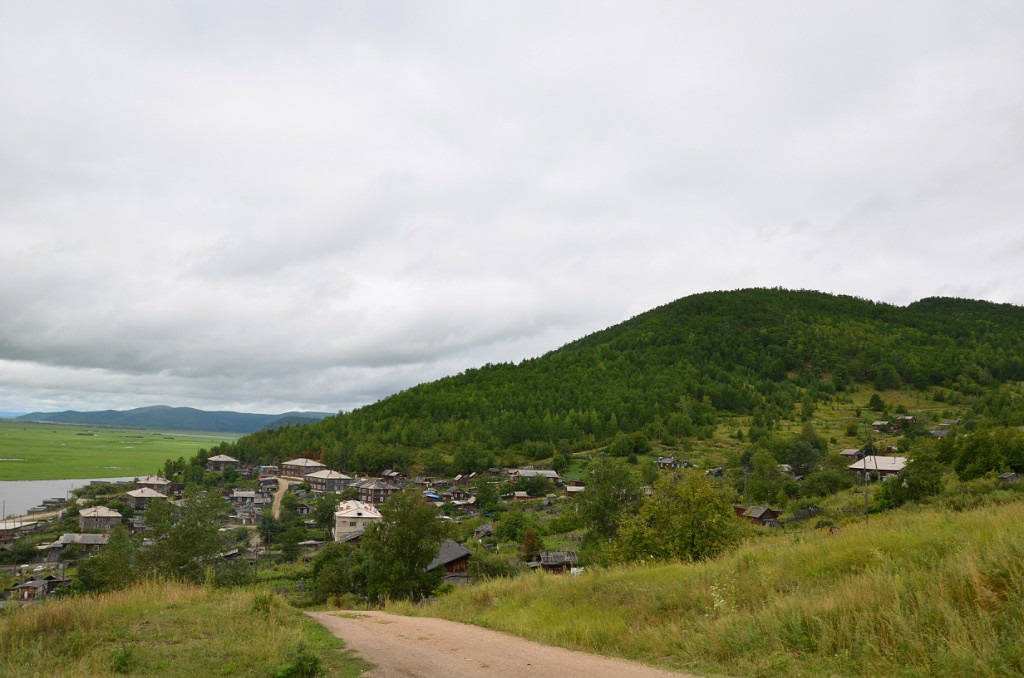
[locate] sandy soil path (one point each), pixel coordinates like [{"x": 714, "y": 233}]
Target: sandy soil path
[
  {"x": 275, "y": 507},
  {"x": 411, "y": 647}
]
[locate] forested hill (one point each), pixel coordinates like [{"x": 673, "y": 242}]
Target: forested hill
[
  {"x": 671, "y": 373},
  {"x": 178, "y": 419}
]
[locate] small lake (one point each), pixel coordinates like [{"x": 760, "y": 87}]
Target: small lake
[{"x": 18, "y": 496}]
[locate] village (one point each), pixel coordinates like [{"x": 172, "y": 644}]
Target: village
[
  {"x": 293, "y": 486},
  {"x": 298, "y": 488}
]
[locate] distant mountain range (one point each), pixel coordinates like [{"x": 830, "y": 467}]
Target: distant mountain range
[{"x": 179, "y": 419}]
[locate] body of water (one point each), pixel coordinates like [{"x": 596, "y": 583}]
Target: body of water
[{"x": 18, "y": 496}]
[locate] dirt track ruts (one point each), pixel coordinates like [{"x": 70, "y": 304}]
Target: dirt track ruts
[{"x": 411, "y": 647}]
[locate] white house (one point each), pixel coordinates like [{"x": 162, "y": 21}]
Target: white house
[
  {"x": 353, "y": 516},
  {"x": 883, "y": 466}
]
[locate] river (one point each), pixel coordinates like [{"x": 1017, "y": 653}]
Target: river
[{"x": 18, "y": 496}]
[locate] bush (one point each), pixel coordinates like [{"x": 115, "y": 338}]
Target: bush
[
  {"x": 263, "y": 603},
  {"x": 301, "y": 662},
  {"x": 121, "y": 659}
]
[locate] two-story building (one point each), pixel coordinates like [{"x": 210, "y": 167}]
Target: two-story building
[
  {"x": 98, "y": 519},
  {"x": 353, "y": 516},
  {"x": 328, "y": 481}
]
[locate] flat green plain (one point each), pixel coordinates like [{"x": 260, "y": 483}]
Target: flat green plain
[{"x": 39, "y": 451}]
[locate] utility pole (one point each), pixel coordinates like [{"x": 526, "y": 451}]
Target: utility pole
[
  {"x": 746, "y": 483},
  {"x": 871, "y": 447}
]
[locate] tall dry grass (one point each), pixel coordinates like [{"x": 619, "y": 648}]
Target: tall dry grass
[
  {"x": 161, "y": 629},
  {"x": 915, "y": 593}
]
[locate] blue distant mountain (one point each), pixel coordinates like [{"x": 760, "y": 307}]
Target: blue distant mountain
[{"x": 179, "y": 419}]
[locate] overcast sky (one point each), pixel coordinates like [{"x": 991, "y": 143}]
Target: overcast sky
[{"x": 311, "y": 205}]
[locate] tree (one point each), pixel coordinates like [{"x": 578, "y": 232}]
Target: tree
[
  {"x": 611, "y": 490},
  {"x": 920, "y": 478},
  {"x": 514, "y": 523},
  {"x": 400, "y": 546},
  {"x": 535, "y": 486},
  {"x": 486, "y": 496},
  {"x": 689, "y": 517},
  {"x": 268, "y": 529},
  {"x": 114, "y": 567},
  {"x": 323, "y": 511},
  {"x": 187, "y": 537},
  {"x": 767, "y": 483},
  {"x": 289, "y": 542},
  {"x": 337, "y": 570},
  {"x": 530, "y": 545}
]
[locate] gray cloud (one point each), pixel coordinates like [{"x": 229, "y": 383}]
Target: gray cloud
[{"x": 268, "y": 207}]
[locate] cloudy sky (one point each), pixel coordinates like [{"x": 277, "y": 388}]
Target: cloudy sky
[{"x": 310, "y": 205}]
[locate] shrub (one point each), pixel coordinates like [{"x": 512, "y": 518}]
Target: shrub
[
  {"x": 121, "y": 659},
  {"x": 301, "y": 662}
]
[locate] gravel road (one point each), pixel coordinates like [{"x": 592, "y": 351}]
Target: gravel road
[{"x": 411, "y": 647}]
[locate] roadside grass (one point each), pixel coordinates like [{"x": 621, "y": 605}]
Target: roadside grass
[
  {"x": 921, "y": 592},
  {"x": 31, "y": 451},
  {"x": 166, "y": 629}
]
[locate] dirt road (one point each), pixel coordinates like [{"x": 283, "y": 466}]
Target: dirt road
[
  {"x": 411, "y": 647},
  {"x": 282, "y": 487}
]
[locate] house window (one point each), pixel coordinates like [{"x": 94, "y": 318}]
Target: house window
[{"x": 352, "y": 524}]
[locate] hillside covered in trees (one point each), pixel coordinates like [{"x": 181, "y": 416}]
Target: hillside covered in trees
[{"x": 750, "y": 358}]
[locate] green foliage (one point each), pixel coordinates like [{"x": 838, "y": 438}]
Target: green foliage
[
  {"x": 829, "y": 477},
  {"x": 122, "y": 658},
  {"x": 269, "y": 528},
  {"x": 530, "y": 545},
  {"x": 514, "y": 523},
  {"x": 300, "y": 662},
  {"x": 185, "y": 537},
  {"x": 114, "y": 567},
  {"x": 536, "y": 486},
  {"x": 21, "y": 551},
  {"x": 611, "y": 491},
  {"x": 768, "y": 484},
  {"x": 323, "y": 510},
  {"x": 337, "y": 569},
  {"x": 674, "y": 373},
  {"x": 922, "y": 477},
  {"x": 399, "y": 547},
  {"x": 489, "y": 565},
  {"x": 635, "y": 443},
  {"x": 688, "y": 517},
  {"x": 486, "y": 496},
  {"x": 982, "y": 452}
]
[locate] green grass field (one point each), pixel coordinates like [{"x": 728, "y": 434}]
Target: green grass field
[
  {"x": 168, "y": 629},
  {"x": 917, "y": 592},
  {"x": 55, "y": 451}
]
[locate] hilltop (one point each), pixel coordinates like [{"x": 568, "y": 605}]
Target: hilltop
[
  {"x": 177, "y": 419},
  {"x": 676, "y": 375}
]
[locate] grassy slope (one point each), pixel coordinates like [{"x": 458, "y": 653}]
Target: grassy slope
[
  {"x": 53, "y": 451},
  {"x": 161, "y": 630},
  {"x": 914, "y": 593}
]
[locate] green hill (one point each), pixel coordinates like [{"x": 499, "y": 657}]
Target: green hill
[{"x": 756, "y": 357}]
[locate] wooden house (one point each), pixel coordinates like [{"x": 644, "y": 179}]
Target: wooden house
[
  {"x": 139, "y": 499},
  {"x": 557, "y": 562},
  {"x": 454, "y": 558},
  {"x": 98, "y": 519},
  {"x": 221, "y": 462},
  {"x": 301, "y": 467}
]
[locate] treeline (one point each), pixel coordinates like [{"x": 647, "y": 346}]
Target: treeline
[{"x": 670, "y": 374}]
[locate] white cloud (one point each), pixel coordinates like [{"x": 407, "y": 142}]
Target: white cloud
[{"x": 312, "y": 205}]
